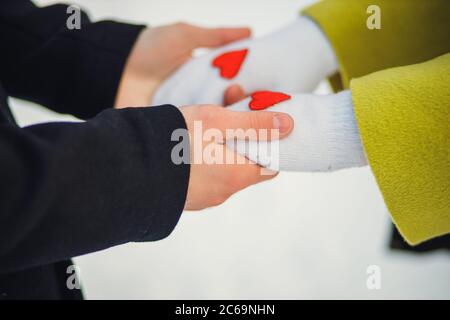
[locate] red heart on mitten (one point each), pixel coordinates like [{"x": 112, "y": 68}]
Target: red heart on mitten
[
  {"x": 230, "y": 63},
  {"x": 264, "y": 99}
]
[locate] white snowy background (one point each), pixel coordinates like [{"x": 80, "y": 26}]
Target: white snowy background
[{"x": 298, "y": 236}]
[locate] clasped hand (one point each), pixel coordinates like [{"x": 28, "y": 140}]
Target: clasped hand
[{"x": 276, "y": 70}]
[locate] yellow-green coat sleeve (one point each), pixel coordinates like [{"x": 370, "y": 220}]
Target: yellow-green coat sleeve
[
  {"x": 403, "y": 115},
  {"x": 412, "y": 31}
]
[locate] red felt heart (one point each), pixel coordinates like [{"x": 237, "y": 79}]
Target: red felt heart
[
  {"x": 264, "y": 99},
  {"x": 230, "y": 63}
]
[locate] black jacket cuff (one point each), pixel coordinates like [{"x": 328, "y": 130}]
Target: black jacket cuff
[
  {"x": 172, "y": 179},
  {"x": 108, "y": 45},
  {"x": 73, "y": 188}
]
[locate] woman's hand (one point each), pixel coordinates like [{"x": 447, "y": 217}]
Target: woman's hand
[
  {"x": 325, "y": 137},
  {"x": 292, "y": 59}
]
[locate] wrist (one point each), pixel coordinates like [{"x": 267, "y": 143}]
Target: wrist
[
  {"x": 340, "y": 138},
  {"x": 134, "y": 90},
  {"x": 139, "y": 78},
  {"x": 311, "y": 48}
]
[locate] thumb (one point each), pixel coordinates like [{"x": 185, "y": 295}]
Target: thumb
[
  {"x": 216, "y": 37},
  {"x": 255, "y": 120}
]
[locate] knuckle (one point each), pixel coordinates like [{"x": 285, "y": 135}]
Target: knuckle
[
  {"x": 204, "y": 114},
  {"x": 182, "y": 27},
  {"x": 230, "y": 181},
  {"x": 234, "y": 181},
  {"x": 196, "y": 112},
  {"x": 265, "y": 120},
  {"x": 254, "y": 120},
  {"x": 252, "y": 175},
  {"x": 239, "y": 180},
  {"x": 218, "y": 199},
  {"x": 208, "y": 114}
]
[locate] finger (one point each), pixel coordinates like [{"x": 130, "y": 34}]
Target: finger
[
  {"x": 250, "y": 173},
  {"x": 233, "y": 94},
  {"x": 264, "y": 174},
  {"x": 215, "y": 37},
  {"x": 254, "y": 125}
]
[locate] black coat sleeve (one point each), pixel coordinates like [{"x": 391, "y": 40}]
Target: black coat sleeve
[
  {"x": 67, "y": 189},
  {"x": 69, "y": 71}
]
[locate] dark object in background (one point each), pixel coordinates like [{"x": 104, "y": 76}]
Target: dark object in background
[{"x": 397, "y": 243}]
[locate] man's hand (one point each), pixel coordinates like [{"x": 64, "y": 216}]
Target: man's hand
[
  {"x": 161, "y": 50},
  {"x": 212, "y": 184}
]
